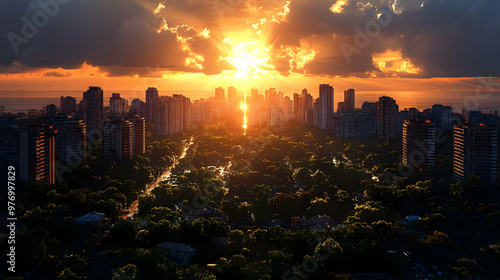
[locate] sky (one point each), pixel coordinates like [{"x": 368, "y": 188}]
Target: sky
[{"x": 375, "y": 45}]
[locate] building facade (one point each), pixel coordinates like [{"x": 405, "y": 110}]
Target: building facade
[
  {"x": 475, "y": 152},
  {"x": 118, "y": 139},
  {"x": 419, "y": 143}
]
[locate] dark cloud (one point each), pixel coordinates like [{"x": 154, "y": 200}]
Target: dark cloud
[
  {"x": 113, "y": 33},
  {"x": 56, "y": 74},
  {"x": 445, "y": 38}
]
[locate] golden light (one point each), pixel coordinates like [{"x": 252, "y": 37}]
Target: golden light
[
  {"x": 393, "y": 62},
  {"x": 250, "y": 58},
  {"x": 338, "y": 7},
  {"x": 244, "y": 108}
]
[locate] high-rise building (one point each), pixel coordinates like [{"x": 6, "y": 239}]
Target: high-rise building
[
  {"x": 118, "y": 139},
  {"x": 118, "y": 105},
  {"x": 370, "y": 108},
  {"x": 138, "y": 107},
  {"x": 280, "y": 99},
  {"x": 151, "y": 100},
  {"x": 169, "y": 115},
  {"x": 442, "y": 116},
  {"x": 419, "y": 143},
  {"x": 326, "y": 95},
  {"x": 186, "y": 111},
  {"x": 275, "y": 116},
  {"x": 296, "y": 106},
  {"x": 475, "y": 152},
  {"x": 67, "y": 105},
  {"x": 354, "y": 125},
  {"x": 232, "y": 96},
  {"x": 37, "y": 153},
  {"x": 51, "y": 111},
  {"x": 138, "y": 134},
  {"x": 94, "y": 114},
  {"x": 254, "y": 94},
  {"x": 316, "y": 113},
  {"x": 271, "y": 97},
  {"x": 219, "y": 94},
  {"x": 308, "y": 101},
  {"x": 341, "y": 108},
  {"x": 387, "y": 118},
  {"x": 288, "y": 108},
  {"x": 349, "y": 101},
  {"x": 71, "y": 140}
]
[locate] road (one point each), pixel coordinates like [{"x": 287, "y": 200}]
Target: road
[{"x": 160, "y": 178}]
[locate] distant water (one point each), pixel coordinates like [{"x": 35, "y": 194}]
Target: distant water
[{"x": 22, "y": 100}]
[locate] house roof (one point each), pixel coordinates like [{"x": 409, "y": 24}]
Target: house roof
[
  {"x": 176, "y": 246},
  {"x": 90, "y": 217}
]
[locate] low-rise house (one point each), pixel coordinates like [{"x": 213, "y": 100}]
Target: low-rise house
[
  {"x": 208, "y": 213},
  {"x": 321, "y": 222},
  {"x": 410, "y": 219},
  {"x": 180, "y": 253},
  {"x": 93, "y": 218}
]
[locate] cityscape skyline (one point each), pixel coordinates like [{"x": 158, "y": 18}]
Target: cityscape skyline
[{"x": 250, "y": 139}]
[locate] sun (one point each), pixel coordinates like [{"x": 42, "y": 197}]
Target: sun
[{"x": 249, "y": 57}]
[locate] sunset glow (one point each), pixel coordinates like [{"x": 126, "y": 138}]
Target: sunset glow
[
  {"x": 244, "y": 108},
  {"x": 250, "y": 59},
  {"x": 250, "y": 139}
]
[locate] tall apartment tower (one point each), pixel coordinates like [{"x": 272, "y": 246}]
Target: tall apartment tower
[
  {"x": 219, "y": 94},
  {"x": 281, "y": 100},
  {"x": 325, "y": 106},
  {"x": 254, "y": 95},
  {"x": 186, "y": 111},
  {"x": 118, "y": 105},
  {"x": 296, "y": 106},
  {"x": 37, "y": 153},
  {"x": 118, "y": 139},
  {"x": 349, "y": 101},
  {"x": 316, "y": 113},
  {"x": 138, "y": 134},
  {"x": 151, "y": 100},
  {"x": 71, "y": 141},
  {"x": 387, "y": 118},
  {"x": 419, "y": 143},
  {"x": 442, "y": 115},
  {"x": 139, "y": 107},
  {"x": 169, "y": 116},
  {"x": 474, "y": 151},
  {"x": 232, "y": 96},
  {"x": 94, "y": 114},
  {"x": 370, "y": 108},
  {"x": 67, "y": 105},
  {"x": 271, "y": 97},
  {"x": 51, "y": 111}
]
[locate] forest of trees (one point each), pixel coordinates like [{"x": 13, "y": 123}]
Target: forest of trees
[{"x": 269, "y": 185}]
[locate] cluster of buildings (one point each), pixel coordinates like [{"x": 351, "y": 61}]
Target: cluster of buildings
[
  {"x": 474, "y": 133},
  {"x": 58, "y": 139},
  {"x": 44, "y": 145}
]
